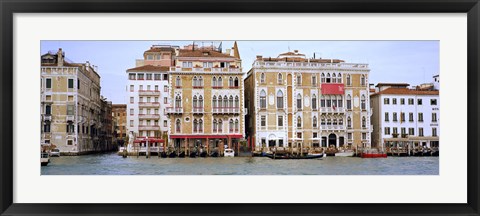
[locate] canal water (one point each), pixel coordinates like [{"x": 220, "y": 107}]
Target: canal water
[{"x": 112, "y": 164}]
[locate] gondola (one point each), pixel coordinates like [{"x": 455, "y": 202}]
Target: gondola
[
  {"x": 163, "y": 155},
  {"x": 193, "y": 154},
  {"x": 307, "y": 156},
  {"x": 214, "y": 154},
  {"x": 203, "y": 154},
  {"x": 172, "y": 154},
  {"x": 182, "y": 154}
]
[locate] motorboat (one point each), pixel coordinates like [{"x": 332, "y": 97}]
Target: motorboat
[
  {"x": 294, "y": 156},
  {"x": 345, "y": 153},
  {"x": 373, "y": 153},
  {"x": 229, "y": 153},
  {"x": 55, "y": 153},
  {"x": 44, "y": 158}
]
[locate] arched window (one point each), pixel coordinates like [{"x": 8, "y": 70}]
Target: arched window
[
  {"x": 363, "y": 104},
  {"x": 280, "y": 78},
  {"x": 334, "y": 102},
  {"x": 214, "y": 125},
  {"x": 237, "y": 102},
  {"x": 334, "y": 78},
  {"x": 322, "y": 78},
  {"x": 220, "y": 126},
  {"x": 225, "y": 101},
  {"x": 178, "y": 101},
  {"x": 349, "y": 102},
  {"x": 322, "y": 101},
  {"x": 328, "y": 78},
  {"x": 349, "y": 80},
  {"x": 231, "y": 125},
  {"x": 334, "y": 121},
  {"x": 214, "y": 81},
  {"x": 236, "y": 82},
  {"x": 195, "y": 105},
  {"x": 178, "y": 125},
  {"x": 200, "y": 81},
  {"x": 214, "y": 102},
  {"x": 299, "y": 101},
  {"x": 323, "y": 121},
  {"x": 219, "y": 82},
  {"x": 314, "y": 102},
  {"x": 340, "y": 121},
  {"x": 299, "y": 122},
  {"x": 339, "y": 79},
  {"x": 329, "y": 101},
  {"x": 362, "y": 80},
  {"x": 364, "y": 122},
  {"x": 178, "y": 82},
  {"x": 280, "y": 99},
  {"x": 220, "y": 104},
  {"x": 236, "y": 126},
  {"x": 262, "y": 78},
  {"x": 195, "y": 126},
  {"x": 263, "y": 99},
  {"x": 230, "y": 82},
  {"x": 339, "y": 101},
  {"x": 349, "y": 122},
  {"x": 200, "y": 126},
  {"x": 230, "y": 101},
  {"x": 200, "y": 101},
  {"x": 195, "y": 82},
  {"x": 315, "y": 121}
]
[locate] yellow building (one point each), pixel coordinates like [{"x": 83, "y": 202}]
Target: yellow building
[
  {"x": 71, "y": 106},
  {"x": 294, "y": 100},
  {"x": 206, "y": 91}
]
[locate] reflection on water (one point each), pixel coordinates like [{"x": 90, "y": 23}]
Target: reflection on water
[{"x": 112, "y": 164}]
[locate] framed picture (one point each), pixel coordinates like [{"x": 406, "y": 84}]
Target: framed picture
[{"x": 190, "y": 107}]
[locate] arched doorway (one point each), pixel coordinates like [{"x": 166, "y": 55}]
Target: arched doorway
[{"x": 332, "y": 140}]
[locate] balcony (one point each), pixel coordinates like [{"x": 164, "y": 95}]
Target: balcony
[
  {"x": 332, "y": 127},
  {"x": 226, "y": 110},
  {"x": 331, "y": 110},
  {"x": 70, "y": 118},
  {"x": 148, "y": 116},
  {"x": 148, "y": 127},
  {"x": 47, "y": 117},
  {"x": 149, "y": 93},
  {"x": 174, "y": 110},
  {"x": 201, "y": 69},
  {"x": 198, "y": 110},
  {"x": 148, "y": 104}
]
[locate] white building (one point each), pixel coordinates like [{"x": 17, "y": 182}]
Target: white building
[
  {"x": 403, "y": 114},
  {"x": 147, "y": 95}
]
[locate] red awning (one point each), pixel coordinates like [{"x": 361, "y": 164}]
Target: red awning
[
  {"x": 205, "y": 136},
  {"x": 151, "y": 140},
  {"x": 333, "y": 88}
]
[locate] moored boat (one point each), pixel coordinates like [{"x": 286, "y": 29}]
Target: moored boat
[
  {"x": 345, "y": 154},
  {"x": 229, "y": 153},
  {"x": 373, "y": 153},
  {"x": 44, "y": 159},
  {"x": 290, "y": 156}
]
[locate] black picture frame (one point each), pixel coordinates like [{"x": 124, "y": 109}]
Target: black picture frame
[{"x": 9, "y": 7}]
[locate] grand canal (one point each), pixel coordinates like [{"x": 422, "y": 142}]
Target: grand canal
[{"x": 112, "y": 164}]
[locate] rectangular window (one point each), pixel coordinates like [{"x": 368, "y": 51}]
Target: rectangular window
[
  {"x": 70, "y": 83},
  {"x": 164, "y": 123},
  {"x": 386, "y": 101},
  {"x": 131, "y": 100},
  {"x": 187, "y": 64},
  {"x": 131, "y": 123},
  {"x": 349, "y": 136},
  {"x": 364, "y": 136},
  {"x": 131, "y": 76},
  {"x": 386, "y": 117},
  {"x": 434, "y": 117},
  {"x": 48, "y": 83},
  {"x": 165, "y": 76},
  {"x": 78, "y": 83},
  {"x": 149, "y": 76},
  {"x": 410, "y": 117},
  {"x": 419, "y": 101},
  {"x": 156, "y": 87},
  {"x": 395, "y": 130},
  {"x": 280, "y": 121},
  {"x": 411, "y": 131},
  {"x": 434, "y": 132},
  {"x": 157, "y": 77},
  {"x": 433, "y": 102},
  {"x": 315, "y": 135},
  {"x": 403, "y": 130},
  {"x": 70, "y": 109},
  {"x": 402, "y": 101},
  {"x": 263, "y": 121},
  {"x": 165, "y": 88},
  {"x": 140, "y": 76},
  {"x": 420, "y": 117},
  {"x": 387, "y": 131},
  {"x": 420, "y": 132},
  {"x": 132, "y": 88},
  {"x": 394, "y": 116},
  {"x": 402, "y": 117},
  {"x": 131, "y": 112},
  {"x": 165, "y": 100},
  {"x": 410, "y": 101},
  {"x": 394, "y": 101},
  {"x": 140, "y": 88},
  {"x": 69, "y": 142}
]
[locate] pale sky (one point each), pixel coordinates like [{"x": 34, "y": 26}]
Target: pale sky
[{"x": 412, "y": 62}]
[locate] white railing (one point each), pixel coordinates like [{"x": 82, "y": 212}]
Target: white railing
[
  {"x": 148, "y": 116},
  {"x": 47, "y": 117},
  {"x": 148, "y": 92},
  {"x": 173, "y": 110},
  {"x": 201, "y": 69},
  {"x": 70, "y": 117},
  {"x": 331, "y": 110},
  {"x": 148, "y": 104},
  {"x": 312, "y": 65},
  {"x": 149, "y": 127},
  {"x": 226, "y": 110},
  {"x": 332, "y": 127}
]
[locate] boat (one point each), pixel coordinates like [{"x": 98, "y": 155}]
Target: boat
[
  {"x": 203, "y": 153},
  {"x": 182, "y": 154},
  {"x": 292, "y": 156},
  {"x": 55, "y": 152},
  {"x": 214, "y": 154},
  {"x": 229, "y": 153},
  {"x": 373, "y": 153},
  {"x": 163, "y": 155},
  {"x": 344, "y": 153},
  {"x": 193, "y": 154},
  {"x": 44, "y": 159},
  {"x": 172, "y": 154}
]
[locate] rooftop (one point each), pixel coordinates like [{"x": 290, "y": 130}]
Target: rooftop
[
  {"x": 149, "y": 68},
  {"x": 203, "y": 53},
  {"x": 406, "y": 91},
  {"x": 392, "y": 84}
]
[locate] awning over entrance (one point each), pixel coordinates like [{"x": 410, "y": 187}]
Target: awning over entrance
[
  {"x": 151, "y": 140},
  {"x": 416, "y": 138}
]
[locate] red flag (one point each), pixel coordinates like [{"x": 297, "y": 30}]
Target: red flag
[{"x": 333, "y": 106}]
